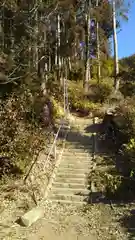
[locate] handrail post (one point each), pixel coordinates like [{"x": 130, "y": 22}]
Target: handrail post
[
  {"x": 54, "y": 148},
  {"x": 55, "y": 151}
]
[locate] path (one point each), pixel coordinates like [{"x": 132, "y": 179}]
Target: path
[
  {"x": 73, "y": 220},
  {"x": 70, "y": 183}
]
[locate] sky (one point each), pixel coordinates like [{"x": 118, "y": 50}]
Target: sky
[{"x": 126, "y": 37}]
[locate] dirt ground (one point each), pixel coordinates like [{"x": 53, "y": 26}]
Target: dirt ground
[{"x": 63, "y": 222}]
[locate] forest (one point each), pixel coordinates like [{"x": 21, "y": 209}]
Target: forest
[{"x": 49, "y": 48}]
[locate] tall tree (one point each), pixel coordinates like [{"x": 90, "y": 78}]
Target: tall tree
[
  {"x": 119, "y": 7},
  {"x": 88, "y": 28},
  {"x": 115, "y": 44},
  {"x": 98, "y": 46}
]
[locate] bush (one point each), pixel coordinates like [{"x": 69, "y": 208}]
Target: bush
[
  {"x": 121, "y": 179},
  {"x": 119, "y": 188},
  {"x": 76, "y": 73},
  {"x": 126, "y": 110},
  {"x": 128, "y": 147},
  {"x": 125, "y": 123},
  {"x": 75, "y": 93},
  {"x": 87, "y": 107},
  {"x": 128, "y": 88},
  {"x": 54, "y": 88},
  {"x": 58, "y": 110},
  {"x": 129, "y": 152},
  {"x": 20, "y": 133},
  {"x": 100, "y": 92},
  {"x": 78, "y": 100},
  {"x": 107, "y": 67}
]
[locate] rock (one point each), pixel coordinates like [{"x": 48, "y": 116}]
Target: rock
[
  {"x": 32, "y": 216},
  {"x": 93, "y": 188},
  {"x": 110, "y": 111}
]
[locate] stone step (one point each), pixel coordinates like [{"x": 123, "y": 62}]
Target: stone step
[
  {"x": 79, "y": 144},
  {"x": 60, "y": 201},
  {"x": 79, "y": 155},
  {"x": 78, "y": 150},
  {"x": 75, "y": 153},
  {"x": 75, "y": 165},
  {"x": 71, "y": 175},
  {"x": 75, "y": 146},
  {"x": 69, "y": 197},
  {"x": 70, "y": 180},
  {"x": 73, "y": 191},
  {"x": 76, "y": 157},
  {"x": 72, "y": 170},
  {"x": 69, "y": 185}
]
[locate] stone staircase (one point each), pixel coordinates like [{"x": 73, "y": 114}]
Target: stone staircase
[{"x": 70, "y": 182}]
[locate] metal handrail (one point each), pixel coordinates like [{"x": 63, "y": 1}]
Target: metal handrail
[
  {"x": 53, "y": 145},
  {"x": 66, "y": 109}
]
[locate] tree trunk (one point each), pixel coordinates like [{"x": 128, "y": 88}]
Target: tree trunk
[
  {"x": 87, "y": 71},
  {"x": 66, "y": 107},
  {"x": 29, "y": 43},
  {"x": 98, "y": 48},
  {"x": 59, "y": 45},
  {"x": 59, "y": 60},
  {"x": 57, "y": 53},
  {"x": 2, "y": 30},
  {"x": 116, "y": 63},
  {"x": 44, "y": 67},
  {"x": 36, "y": 38},
  {"x": 56, "y": 48}
]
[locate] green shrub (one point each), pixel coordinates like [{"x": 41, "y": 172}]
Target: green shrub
[
  {"x": 100, "y": 92},
  {"x": 54, "y": 88},
  {"x": 78, "y": 101},
  {"x": 75, "y": 93},
  {"x": 126, "y": 157},
  {"x": 126, "y": 110},
  {"x": 107, "y": 67},
  {"x": 77, "y": 72},
  {"x": 129, "y": 151},
  {"x": 58, "y": 110},
  {"x": 119, "y": 187},
  {"x": 86, "y": 106}
]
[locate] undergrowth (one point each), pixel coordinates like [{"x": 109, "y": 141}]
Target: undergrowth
[
  {"x": 91, "y": 102},
  {"x": 119, "y": 175}
]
